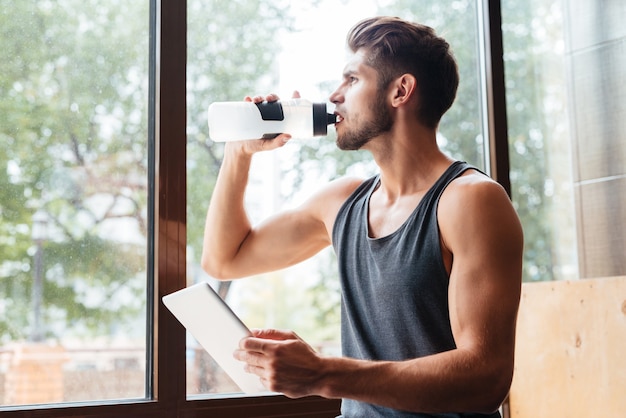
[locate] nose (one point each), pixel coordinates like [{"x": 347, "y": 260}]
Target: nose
[{"x": 336, "y": 96}]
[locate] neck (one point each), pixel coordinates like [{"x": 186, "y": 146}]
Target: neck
[{"x": 409, "y": 159}]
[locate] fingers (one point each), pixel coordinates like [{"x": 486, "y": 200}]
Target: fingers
[
  {"x": 258, "y": 99},
  {"x": 283, "y": 362},
  {"x": 251, "y": 359},
  {"x": 270, "y": 97},
  {"x": 274, "y": 334},
  {"x": 258, "y": 345},
  {"x": 257, "y": 145},
  {"x": 253, "y": 344},
  {"x": 265, "y": 341},
  {"x": 268, "y": 144}
]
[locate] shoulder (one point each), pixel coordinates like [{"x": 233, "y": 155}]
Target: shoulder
[
  {"x": 476, "y": 206},
  {"x": 336, "y": 191},
  {"x": 326, "y": 202},
  {"x": 473, "y": 188},
  {"x": 343, "y": 187}
]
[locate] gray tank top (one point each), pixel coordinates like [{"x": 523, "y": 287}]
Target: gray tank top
[{"x": 394, "y": 288}]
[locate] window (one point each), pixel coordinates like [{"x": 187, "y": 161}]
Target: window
[
  {"x": 103, "y": 125},
  {"x": 74, "y": 184},
  {"x": 539, "y": 135},
  {"x": 564, "y": 105},
  {"x": 294, "y": 46}
]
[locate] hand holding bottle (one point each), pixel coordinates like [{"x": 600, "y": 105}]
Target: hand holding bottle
[{"x": 267, "y": 118}]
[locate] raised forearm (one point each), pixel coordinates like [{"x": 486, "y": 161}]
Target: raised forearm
[{"x": 227, "y": 224}]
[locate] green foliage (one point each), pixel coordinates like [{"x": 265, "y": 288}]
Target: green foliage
[
  {"x": 73, "y": 116},
  {"x": 73, "y": 102},
  {"x": 73, "y": 125},
  {"x": 232, "y": 46},
  {"x": 461, "y": 126},
  {"x": 529, "y": 133}
]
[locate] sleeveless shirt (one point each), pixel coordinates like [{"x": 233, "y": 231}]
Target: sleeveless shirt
[{"x": 394, "y": 288}]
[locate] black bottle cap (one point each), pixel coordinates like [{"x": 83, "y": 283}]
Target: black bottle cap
[{"x": 321, "y": 119}]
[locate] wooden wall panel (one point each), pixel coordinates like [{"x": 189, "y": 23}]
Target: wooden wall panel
[{"x": 571, "y": 350}]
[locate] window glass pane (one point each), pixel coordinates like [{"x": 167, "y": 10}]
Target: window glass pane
[
  {"x": 249, "y": 47},
  {"x": 539, "y": 137},
  {"x": 565, "y": 102},
  {"x": 73, "y": 196}
]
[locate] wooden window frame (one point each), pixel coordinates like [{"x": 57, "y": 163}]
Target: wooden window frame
[{"x": 165, "y": 375}]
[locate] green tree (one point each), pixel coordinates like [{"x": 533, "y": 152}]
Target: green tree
[
  {"x": 529, "y": 131},
  {"x": 232, "y": 47},
  {"x": 73, "y": 100},
  {"x": 460, "y": 127},
  {"x": 73, "y": 96}
]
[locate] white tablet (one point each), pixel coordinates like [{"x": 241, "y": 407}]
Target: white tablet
[{"x": 216, "y": 327}]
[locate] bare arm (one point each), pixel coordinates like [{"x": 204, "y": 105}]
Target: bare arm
[
  {"x": 483, "y": 233},
  {"x": 234, "y": 248}
]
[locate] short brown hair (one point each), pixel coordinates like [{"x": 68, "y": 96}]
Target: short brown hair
[{"x": 395, "y": 47}]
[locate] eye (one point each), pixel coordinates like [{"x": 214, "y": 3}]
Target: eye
[{"x": 352, "y": 79}]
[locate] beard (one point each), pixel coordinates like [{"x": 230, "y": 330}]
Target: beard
[{"x": 380, "y": 122}]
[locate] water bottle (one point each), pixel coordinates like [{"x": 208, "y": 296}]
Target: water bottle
[{"x": 231, "y": 121}]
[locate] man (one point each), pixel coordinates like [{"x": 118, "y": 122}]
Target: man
[{"x": 429, "y": 250}]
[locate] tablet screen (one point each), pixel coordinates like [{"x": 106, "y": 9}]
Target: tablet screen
[{"x": 216, "y": 328}]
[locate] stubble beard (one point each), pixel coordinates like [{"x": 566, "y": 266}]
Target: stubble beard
[{"x": 380, "y": 122}]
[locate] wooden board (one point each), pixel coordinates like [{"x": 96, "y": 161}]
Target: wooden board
[{"x": 571, "y": 350}]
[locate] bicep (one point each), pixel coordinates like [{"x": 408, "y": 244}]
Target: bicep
[
  {"x": 293, "y": 235},
  {"x": 485, "y": 237},
  {"x": 281, "y": 241}
]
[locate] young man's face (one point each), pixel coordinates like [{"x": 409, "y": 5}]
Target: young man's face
[{"x": 362, "y": 108}]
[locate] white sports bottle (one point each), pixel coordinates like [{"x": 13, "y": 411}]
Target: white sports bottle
[{"x": 233, "y": 121}]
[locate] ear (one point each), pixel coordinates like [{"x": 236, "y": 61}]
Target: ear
[{"x": 403, "y": 90}]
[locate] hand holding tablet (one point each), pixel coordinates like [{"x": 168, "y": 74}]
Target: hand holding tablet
[{"x": 216, "y": 327}]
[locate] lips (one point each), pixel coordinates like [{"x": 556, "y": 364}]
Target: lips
[{"x": 339, "y": 118}]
